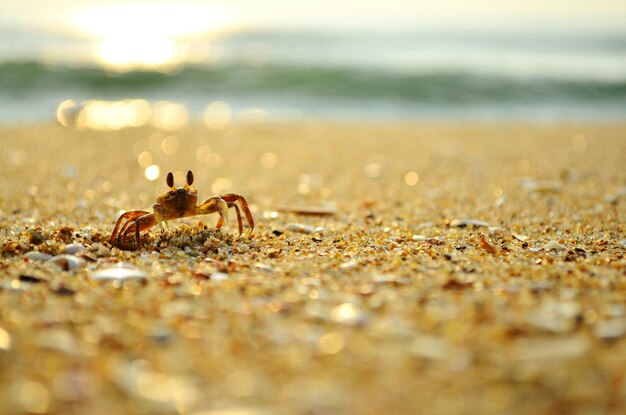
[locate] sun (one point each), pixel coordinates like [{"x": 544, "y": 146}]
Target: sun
[
  {"x": 146, "y": 35},
  {"x": 137, "y": 51}
]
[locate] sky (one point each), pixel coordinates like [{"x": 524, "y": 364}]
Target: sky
[{"x": 68, "y": 15}]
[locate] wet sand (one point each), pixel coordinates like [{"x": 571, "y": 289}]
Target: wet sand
[{"x": 393, "y": 304}]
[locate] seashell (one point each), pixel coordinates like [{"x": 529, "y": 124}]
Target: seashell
[
  {"x": 263, "y": 267},
  {"x": 462, "y": 223},
  {"x": 67, "y": 262},
  {"x": 301, "y": 228},
  {"x": 74, "y": 249},
  {"x": 353, "y": 263},
  {"x": 120, "y": 272},
  {"x": 610, "y": 329},
  {"x": 419, "y": 238},
  {"x": 521, "y": 238},
  {"x": 219, "y": 276},
  {"x": 623, "y": 243},
  {"x": 37, "y": 256},
  {"x": 554, "y": 246}
]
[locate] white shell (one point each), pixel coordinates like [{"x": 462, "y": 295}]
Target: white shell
[
  {"x": 301, "y": 228},
  {"x": 460, "y": 223},
  {"x": 74, "y": 249},
  {"x": 542, "y": 186},
  {"x": 119, "y": 272},
  {"x": 554, "y": 246},
  {"x": 519, "y": 237},
  {"x": 610, "y": 328},
  {"x": 67, "y": 262},
  {"x": 219, "y": 276},
  {"x": 353, "y": 263},
  {"x": 37, "y": 256}
]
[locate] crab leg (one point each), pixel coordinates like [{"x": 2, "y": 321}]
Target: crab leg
[
  {"x": 239, "y": 221},
  {"x": 236, "y": 198},
  {"x": 211, "y": 205},
  {"x": 142, "y": 223},
  {"x": 129, "y": 216},
  {"x": 128, "y": 225}
]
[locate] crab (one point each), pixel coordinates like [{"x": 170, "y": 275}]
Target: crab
[{"x": 178, "y": 203}]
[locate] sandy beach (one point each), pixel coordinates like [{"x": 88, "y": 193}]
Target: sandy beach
[{"x": 456, "y": 269}]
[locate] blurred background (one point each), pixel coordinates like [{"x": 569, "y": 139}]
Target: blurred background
[{"x": 108, "y": 65}]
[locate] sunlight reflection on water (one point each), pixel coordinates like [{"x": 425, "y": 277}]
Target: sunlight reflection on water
[{"x": 116, "y": 115}]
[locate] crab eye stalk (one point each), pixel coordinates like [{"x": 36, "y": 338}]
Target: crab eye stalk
[
  {"x": 189, "y": 178},
  {"x": 170, "y": 179}
]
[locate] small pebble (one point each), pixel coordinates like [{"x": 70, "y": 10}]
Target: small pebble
[
  {"x": 35, "y": 237},
  {"x": 30, "y": 279},
  {"x": 99, "y": 249}
]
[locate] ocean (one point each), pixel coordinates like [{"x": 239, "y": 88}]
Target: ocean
[{"x": 408, "y": 74}]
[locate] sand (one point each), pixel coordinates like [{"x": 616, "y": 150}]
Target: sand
[{"x": 466, "y": 269}]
